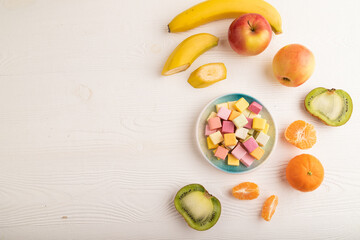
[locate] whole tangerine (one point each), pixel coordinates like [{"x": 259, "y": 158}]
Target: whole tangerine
[{"x": 305, "y": 173}]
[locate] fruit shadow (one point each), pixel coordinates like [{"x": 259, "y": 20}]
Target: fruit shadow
[
  {"x": 268, "y": 73},
  {"x": 173, "y": 212},
  {"x": 302, "y": 106},
  {"x": 282, "y": 136},
  {"x": 282, "y": 175},
  {"x": 284, "y": 161}
]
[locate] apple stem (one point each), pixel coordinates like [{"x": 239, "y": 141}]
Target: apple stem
[
  {"x": 286, "y": 79},
  {"x": 251, "y": 27}
]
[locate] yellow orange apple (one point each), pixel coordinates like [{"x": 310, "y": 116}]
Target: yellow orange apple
[
  {"x": 249, "y": 34},
  {"x": 293, "y": 65}
]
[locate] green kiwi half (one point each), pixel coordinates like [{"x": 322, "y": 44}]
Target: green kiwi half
[
  {"x": 333, "y": 107},
  {"x": 200, "y": 209}
]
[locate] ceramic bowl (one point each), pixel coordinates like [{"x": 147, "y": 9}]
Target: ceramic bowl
[{"x": 209, "y": 155}]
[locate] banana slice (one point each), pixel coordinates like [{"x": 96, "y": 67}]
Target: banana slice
[
  {"x": 187, "y": 51},
  {"x": 207, "y": 75}
]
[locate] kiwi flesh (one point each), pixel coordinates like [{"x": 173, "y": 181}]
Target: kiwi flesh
[
  {"x": 333, "y": 107},
  {"x": 200, "y": 209}
]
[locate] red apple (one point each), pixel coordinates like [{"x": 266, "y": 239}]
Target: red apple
[
  {"x": 293, "y": 65},
  {"x": 249, "y": 34}
]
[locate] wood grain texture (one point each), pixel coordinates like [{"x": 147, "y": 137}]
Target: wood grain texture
[{"x": 95, "y": 143}]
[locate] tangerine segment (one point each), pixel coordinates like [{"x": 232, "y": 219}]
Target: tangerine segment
[
  {"x": 269, "y": 207},
  {"x": 301, "y": 134},
  {"x": 246, "y": 191}
]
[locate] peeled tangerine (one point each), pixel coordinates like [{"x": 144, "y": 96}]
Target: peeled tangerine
[
  {"x": 269, "y": 207},
  {"x": 246, "y": 191},
  {"x": 207, "y": 75},
  {"x": 200, "y": 209},
  {"x": 333, "y": 107},
  {"x": 301, "y": 134}
]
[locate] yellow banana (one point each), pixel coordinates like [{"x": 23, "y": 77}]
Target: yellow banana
[
  {"x": 207, "y": 75},
  {"x": 212, "y": 10},
  {"x": 187, "y": 51}
]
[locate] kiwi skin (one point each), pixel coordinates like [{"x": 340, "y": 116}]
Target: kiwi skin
[
  {"x": 216, "y": 207},
  {"x": 321, "y": 90}
]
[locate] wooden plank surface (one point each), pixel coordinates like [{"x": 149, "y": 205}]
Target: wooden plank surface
[{"x": 94, "y": 142}]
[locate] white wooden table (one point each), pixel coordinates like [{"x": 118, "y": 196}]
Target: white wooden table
[{"x": 94, "y": 142}]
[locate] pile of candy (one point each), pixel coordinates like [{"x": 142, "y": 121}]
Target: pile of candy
[{"x": 237, "y": 132}]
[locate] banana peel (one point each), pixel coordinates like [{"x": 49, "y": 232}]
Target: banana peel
[
  {"x": 212, "y": 10},
  {"x": 187, "y": 51}
]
